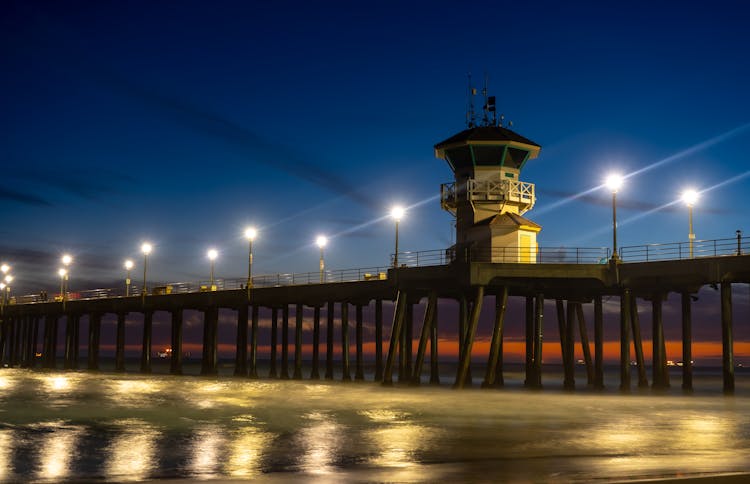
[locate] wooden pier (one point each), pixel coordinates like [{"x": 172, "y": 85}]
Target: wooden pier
[{"x": 571, "y": 285}]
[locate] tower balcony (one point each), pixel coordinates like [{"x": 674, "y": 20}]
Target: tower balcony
[{"x": 518, "y": 193}]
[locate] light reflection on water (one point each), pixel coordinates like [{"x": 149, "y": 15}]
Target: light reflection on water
[{"x": 76, "y": 425}]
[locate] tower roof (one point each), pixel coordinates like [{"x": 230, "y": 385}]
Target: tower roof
[{"x": 485, "y": 133}]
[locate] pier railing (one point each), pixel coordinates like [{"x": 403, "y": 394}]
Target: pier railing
[
  {"x": 681, "y": 250},
  {"x": 530, "y": 255}
]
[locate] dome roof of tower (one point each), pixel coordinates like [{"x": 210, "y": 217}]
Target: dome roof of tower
[{"x": 485, "y": 133}]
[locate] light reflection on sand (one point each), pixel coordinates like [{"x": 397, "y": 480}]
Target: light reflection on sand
[
  {"x": 58, "y": 448},
  {"x": 132, "y": 451}
]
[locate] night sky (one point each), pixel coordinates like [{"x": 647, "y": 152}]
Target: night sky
[{"x": 182, "y": 122}]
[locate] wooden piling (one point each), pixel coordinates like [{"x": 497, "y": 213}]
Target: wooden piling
[
  {"x": 687, "y": 343},
  {"x": 583, "y": 331},
  {"x": 240, "y": 353},
  {"x": 315, "y": 373},
  {"x": 95, "y": 325},
  {"x": 345, "y": 373},
  {"x": 146, "y": 347},
  {"x": 462, "y": 376},
  {"x": 329, "y": 341},
  {"x": 175, "y": 363},
  {"x": 408, "y": 341},
  {"x": 298, "y": 316},
  {"x": 76, "y": 341},
  {"x": 529, "y": 317},
  {"x": 274, "y": 342},
  {"x": 427, "y": 322},
  {"x": 359, "y": 372},
  {"x": 253, "y": 362},
  {"x": 727, "y": 338},
  {"x": 562, "y": 327},
  {"x": 379, "y": 340},
  {"x": 34, "y": 341},
  {"x": 638, "y": 343},
  {"x": 625, "y": 340},
  {"x": 119, "y": 342},
  {"x": 434, "y": 365},
  {"x": 494, "y": 374},
  {"x": 285, "y": 342},
  {"x": 69, "y": 334},
  {"x": 398, "y": 320},
  {"x": 660, "y": 378},
  {"x": 538, "y": 338},
  {"x": 598, "y": 343}
]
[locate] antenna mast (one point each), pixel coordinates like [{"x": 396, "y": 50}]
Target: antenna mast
[{"x": 470, "y": 115}]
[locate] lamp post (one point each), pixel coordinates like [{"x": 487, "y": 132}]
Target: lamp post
[
  {"x": 321, "y": 240},
  {"x": 250, "y": 234},
  {"x": 690, "y": 196},
  {"x": 397, "y": 213},
  {"x": 66, "y": 261},
  {"x": 146, "y": 249},
  {"x": 62, "y": 272},
  {"x": 4, "y": 269},
  {"x": 128, "y": 267},
  {"x": 212, "y": 255},
  {"x": 6, "y": 282},
  {"x": 614, "y": 182}
]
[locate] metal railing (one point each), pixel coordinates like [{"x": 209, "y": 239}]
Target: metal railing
[
  {"x": 681, "y": 250},
  {"x": 423, "y": 258},
  {"x": 488, "y": 191},
  {"x": 540, "y": 255}
]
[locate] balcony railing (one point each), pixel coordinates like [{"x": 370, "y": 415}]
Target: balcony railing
[
  {"x": 681, "y": 250},
  {"x": 488, "y": 191}
]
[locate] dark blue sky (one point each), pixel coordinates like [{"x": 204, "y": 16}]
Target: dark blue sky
[{"x": 181, "y": 122}]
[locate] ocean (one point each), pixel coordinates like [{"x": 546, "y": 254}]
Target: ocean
[{"x": 101, "y": 426}]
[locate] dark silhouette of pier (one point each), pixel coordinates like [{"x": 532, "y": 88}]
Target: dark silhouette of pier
[{"x": 573, "y": 278}]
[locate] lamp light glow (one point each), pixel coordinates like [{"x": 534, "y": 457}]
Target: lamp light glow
[
  {"x": 212, "y": 254},
  {"x": 690, "y": 197},
  {"x": 128, "y": 264},
  {"x": 67, "y": 259},
  {"x": 251, "y": 233},
  {"x": 397, "y": 213},
  {"x": 8, "y": 279},
  {"x": 146, "y": 248},
  {"x": 321, "y": 241},
  {"x": 4, "y": 268},
  {"x": 61, "y": 272},
  {"x": 614, "y": 182},
  {"x": 2, "y": 286}
]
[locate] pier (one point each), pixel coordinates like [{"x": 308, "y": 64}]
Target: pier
[{"x": 575, "y": 282}]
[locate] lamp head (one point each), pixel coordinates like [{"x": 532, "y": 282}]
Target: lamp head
[
  {"x": 66, "y": 259},
  {"x": 146, "y": 248},
  {"x": 397, "y": 213},
  {"x": 8, "y": 279},
  {"x": 4, "y": 268},
  {"x": 690, "y": 196},
  {"x": 212, "y": 254},
  {"x": 61, "y": 272},
  {"x": 2, "y": 286},
  {"x": 614, "y": 182},
  {"x": 321, "y": 241},
  {"x": 128, "y": 264},
  {"x": 251, "y": 233}
]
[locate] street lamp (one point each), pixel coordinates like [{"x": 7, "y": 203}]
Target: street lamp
[
  {"x": 690, "y": 196},
  {"x": 212, "y": 255},
  {"x": 321, "y": 240},
  {"x": 614, "y": 182},
  {"x": 397, "y": 214},
  {"x": 6, "y": 282},
  {"x": 63, "y": 273},
  {"x": 128, "y": 267},
  {"x": 146, "y": 249},
  {"x": 250, "y": 234},
  {"x": 66, "y": 261}
]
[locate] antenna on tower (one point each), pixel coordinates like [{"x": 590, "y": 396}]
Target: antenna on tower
[
  {"x": 470, "y": 115},
  {"x": 485, "y": 107}
]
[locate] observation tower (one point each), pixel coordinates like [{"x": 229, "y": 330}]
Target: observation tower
[{"x": 488, "y": 198}]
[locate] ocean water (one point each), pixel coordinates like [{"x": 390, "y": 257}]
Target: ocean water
[{"x": 81, "y": 426}]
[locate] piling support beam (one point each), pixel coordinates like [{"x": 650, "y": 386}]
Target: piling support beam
[
  {"x": 69, "y": 334},
  {"x": 570, "y": 341},
  {"x": 119, "y": 342},
  {"x": 463, "y": 367},
  {"x": 359, "y": 373},
  {"x": 285, "y": 342},
  {"x": 408, "y": 341},
  {"x": 638, "y": 343},
  {"x": 34, "y": 341},
  {"x": 50, "y": 342},
  {"x": 429, "y": 319},
  {"x": 329, "y": 340},
  {"x": 434, "y": 364},
  {"x": 146, "y": 348},
  {"x": 315, "y": 373},
  {"x": 76, "y": 341},
  {"x": 379, "y": 340},
  {"x": 562, "y": 329},
  {"x": 210, "y": 364},
  {"x": 345, "y": 373},
  {"x": 272, "y": 373},
  {"x": 727, "y": 338},
  {"x": 240, "y": 353},
  {"x": 398, "y": 320},
  {"x": 298, "y": 313},
  {"x": 583, "y": 331},
  {"x": 659, "y": 357},
  {"x": 598, "y": 343},
  {"x": 687, "y": 343},
  {"x": 253, "y": 363},
  {"x": 21, "y": 341},
  {"x": 625, "y": 340},
  {"x": 175, "y": 361},
  {"x": 538, "y": 338},
  {"x": 95, "y": 325},
  {"x": 529, "y": 317},
  {"x": 494, "y": 373}
]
